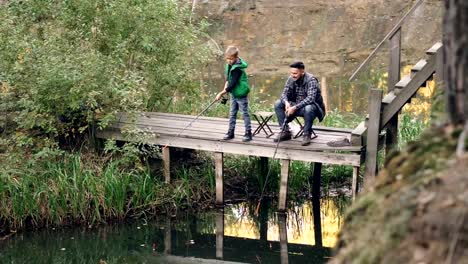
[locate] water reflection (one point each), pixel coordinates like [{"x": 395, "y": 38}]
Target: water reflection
[{"x": 235, "y": 234}]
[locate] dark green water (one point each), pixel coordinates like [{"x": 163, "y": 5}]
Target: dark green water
[{"x": 234, "y": 234}]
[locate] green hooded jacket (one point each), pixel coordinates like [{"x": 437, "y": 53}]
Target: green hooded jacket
[{"x": 242, "y": 88}]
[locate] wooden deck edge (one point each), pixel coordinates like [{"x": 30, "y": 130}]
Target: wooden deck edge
[{"x": 352, "y": 159}]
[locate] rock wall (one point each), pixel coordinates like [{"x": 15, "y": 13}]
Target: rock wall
[{"x": 331, "y": 36}]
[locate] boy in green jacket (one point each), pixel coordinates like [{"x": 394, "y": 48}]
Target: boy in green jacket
[{"x": 237, "y": 84}]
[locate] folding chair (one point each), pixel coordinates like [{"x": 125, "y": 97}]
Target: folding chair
[
  {"x": 262, "y": 120},
  {"x": 301, "y": 130}
]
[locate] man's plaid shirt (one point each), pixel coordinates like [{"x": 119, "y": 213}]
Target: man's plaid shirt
[{"x": 302, "y": 92}]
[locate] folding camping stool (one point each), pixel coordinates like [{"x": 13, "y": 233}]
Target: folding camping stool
[
  {"x": 301, "y": 130},
  {"x": 262, "y": 120}
]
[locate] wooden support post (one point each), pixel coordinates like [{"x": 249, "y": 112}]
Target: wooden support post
[
  {"x": 168, "y": 236},
  {"x": 166, "y": 151},
  {"x": 355, "y": 186},
  {"x": 373, "y": 131},
  {"x": 219, "y": 178},
  {"x": 263, "y": 219},
  {"x": 391, "y": 139},
  {"x": 316, "y": 177},
  {"x": 219, "y": 234},
  {"x": 283, "y": 237},
  {"x": 283, "y": 185}
]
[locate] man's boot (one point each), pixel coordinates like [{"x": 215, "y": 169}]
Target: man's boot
[
  {"x": 247, "y": 136},
  {"x": 305, "y": 140},
  {"x": 229, "y": 135},
  {"x": 286, "y": 135}
]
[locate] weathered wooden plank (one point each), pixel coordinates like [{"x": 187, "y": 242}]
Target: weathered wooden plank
[
  {"x": 410, "y": 89},
  {"x": 355, "y": 184},
  {"x": 283, "y": 193},
  {"x": 373, "y": 131},
  {"x": 418, "y": 67},
  {"x": 358, "y": 135},
  {"x": 352, "y": 159},
  {"x": 388, "y": 98},
  {"x": 223, "y": 123},
  {"x": 317, "y": 144},
  {"x": 435, "y": 48},
  {"x": 395, "y": 57},
  {"x": 201, "y": 130},
  {"x": 403, "y": 82},
  {"x": 167, "y": 164},
  {"x": 219, "y": 169}
]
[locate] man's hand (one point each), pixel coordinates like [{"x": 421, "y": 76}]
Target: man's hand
[
  {"x": 287, "y": 105},
  {"x": 290, "y": 110}
]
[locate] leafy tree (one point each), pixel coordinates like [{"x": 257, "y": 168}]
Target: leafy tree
[{"x": 65, "y": 62}]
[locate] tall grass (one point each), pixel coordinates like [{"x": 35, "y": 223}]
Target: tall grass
[{"x": 76, "y": 190}]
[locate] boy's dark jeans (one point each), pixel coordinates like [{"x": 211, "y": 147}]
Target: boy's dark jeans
[
  {"x": 309, "y": 112},
  {"x": 241, "y": 104}
]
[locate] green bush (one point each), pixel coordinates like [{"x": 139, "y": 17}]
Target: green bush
[{"x": 64, "y": 63}]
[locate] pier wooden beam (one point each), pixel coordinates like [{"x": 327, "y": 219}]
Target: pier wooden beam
[
  {"x": 283, "y": 184},
  {"x": 373, "y": 132},
  {"x": 166, "y": 151},
  {"x": 316, "y": 178},
  {"x": 219, "y": 168},
  {"x": 283, "y": 237}
]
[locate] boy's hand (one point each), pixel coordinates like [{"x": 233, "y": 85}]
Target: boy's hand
[{"x": 219, "y": 95}]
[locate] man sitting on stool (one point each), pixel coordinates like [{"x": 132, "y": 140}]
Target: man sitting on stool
[{"x": 301, "y": 97}]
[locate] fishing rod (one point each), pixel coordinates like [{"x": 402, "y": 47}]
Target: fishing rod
[
  {"x": 223, "y": 101},
  {"x": 287, "y": 119}
]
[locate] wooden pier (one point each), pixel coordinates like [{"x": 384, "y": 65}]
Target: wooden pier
[
  {"x": 207, "y": 132},
  {"x": 365, "y": 140}
]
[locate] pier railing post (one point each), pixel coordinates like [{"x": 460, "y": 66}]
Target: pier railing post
[
  {"x": 283, "y": 185},
  {"x": 373, "y": 131},
  {"x": 219, "y": 168},
  {"x": 394, "y": 68}
]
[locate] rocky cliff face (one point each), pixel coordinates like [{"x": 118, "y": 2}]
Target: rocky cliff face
[{"x": 331, "y": 36}]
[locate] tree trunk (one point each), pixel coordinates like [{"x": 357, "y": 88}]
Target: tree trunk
[{"x": 456, "y": 59}]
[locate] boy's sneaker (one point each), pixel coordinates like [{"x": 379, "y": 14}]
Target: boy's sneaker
[
  {"x": 229, "y": 135},
  {"x": 286, "y": 135},
  {"x": 247, "y": 136}
]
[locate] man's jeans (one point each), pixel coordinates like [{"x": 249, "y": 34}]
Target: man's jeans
[
  {"x": 309, "y": 112},
  {"x": 242, "y": 104}
]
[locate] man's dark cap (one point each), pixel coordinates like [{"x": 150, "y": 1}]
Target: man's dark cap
[{"x": 297, "y": 65}]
